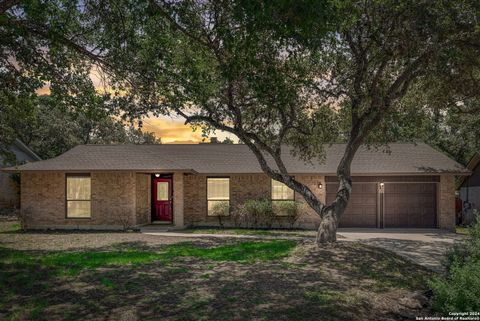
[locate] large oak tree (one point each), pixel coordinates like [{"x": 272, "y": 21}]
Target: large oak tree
[{"x": 297, "y": 73}]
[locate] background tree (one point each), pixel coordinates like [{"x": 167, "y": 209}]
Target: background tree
[
  {"x": 451, "y": 123},
  {"x": 34, "y": 54}
]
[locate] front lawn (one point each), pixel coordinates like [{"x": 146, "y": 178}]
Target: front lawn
[
  {"x": 249, "y": 231},
  {"x": 214, "y": 280}
]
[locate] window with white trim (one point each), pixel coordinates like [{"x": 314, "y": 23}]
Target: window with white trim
[
  {"x": 218, "y": 195},
  {"x": 78, "y": 196},
  {"x": 282, "y": 195},
  {"x": 281, "y": 192}
]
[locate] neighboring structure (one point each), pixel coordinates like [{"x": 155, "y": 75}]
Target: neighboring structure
[
  {"x": 9, "y": 189},
  {"x": 110, "y": 186},
  {"x": 470, "y": 190}
]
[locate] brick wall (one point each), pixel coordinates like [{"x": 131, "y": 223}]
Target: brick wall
[
  {"x": 143, "y": 199},
  {"x": 242, "y": 188},
  {"x": 195, "y": 196},
  {"x": 446, "y": 202},
  {"x": 120, "y": 196},
  {"x": 310, "y": 219},
  {"x": 43, "y": 199},
  {"x": 113, "y": 198},
  {"x": 178, "y": 199},
  {"x": 113, "y": 201}
]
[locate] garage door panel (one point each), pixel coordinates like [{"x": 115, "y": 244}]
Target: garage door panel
[
  {"x": 410, "y": 205},
  {"x": 361, "y": 210}
]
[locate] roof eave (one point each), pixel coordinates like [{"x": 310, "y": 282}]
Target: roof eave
[
  {"x": 149, "y": 171},
  {"x": 27, "y": 149}
]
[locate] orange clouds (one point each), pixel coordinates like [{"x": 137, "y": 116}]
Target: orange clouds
[
  {"x": 174, "y": 131},
  {"x": 170, "y": 130}
]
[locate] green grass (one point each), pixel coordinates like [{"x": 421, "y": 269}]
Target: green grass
[
  {"x": 243, "y": 252},
  {"x": 107, "y": 282},
  {"x": 462, "y": 230},
  {"x": 72, "y": 263},
  {"x": 9, "y": 227}
]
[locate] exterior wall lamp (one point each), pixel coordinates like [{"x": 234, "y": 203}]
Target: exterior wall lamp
[
  {"x": 320, "y": 185},
  {"x": 381, "y": 187}
]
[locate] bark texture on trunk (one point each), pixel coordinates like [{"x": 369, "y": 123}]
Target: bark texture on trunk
[
  {"x": 327, "y": 231},
  {"x": 330, "y": 215}
]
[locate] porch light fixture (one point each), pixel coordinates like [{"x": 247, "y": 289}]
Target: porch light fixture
[
  {"x": 381, "y": 187},
  {"x": 320, "y": 185},
  {"x": 157, "y": 175}
]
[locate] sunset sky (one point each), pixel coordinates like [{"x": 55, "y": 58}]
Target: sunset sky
[{"x": 172, "y": 130}]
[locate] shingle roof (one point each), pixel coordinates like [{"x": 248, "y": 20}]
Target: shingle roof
[{"x": 404, "y": 158}]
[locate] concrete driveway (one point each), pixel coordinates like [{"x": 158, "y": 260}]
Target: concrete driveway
[{"x": 426, "y": 247}]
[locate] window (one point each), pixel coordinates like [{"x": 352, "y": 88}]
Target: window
[
  {"x": 162, "y": 191},
  {"x": 282, "y": 198},
  {"x": 218, "y": 196},
  {"x": 281, "y": 192},
  {"x": 78, "y": 196}
]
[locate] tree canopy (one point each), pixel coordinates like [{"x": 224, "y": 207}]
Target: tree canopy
[
  {"x": 34, "y": 55},
  {"x": 301, "y": 73}
]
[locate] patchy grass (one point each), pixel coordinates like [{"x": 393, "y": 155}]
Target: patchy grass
[
  {"x": 246, "y": 231},
  {"x": 9, "y": 227},
  {"x": 243, "y": 252},
  {"x": 227, "y": 280},
  {"x": 462, "y": 230},
  {"x": 72, "y": 263}
]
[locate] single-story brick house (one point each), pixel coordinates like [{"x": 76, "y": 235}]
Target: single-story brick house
[{"x": 106, "y": 186}]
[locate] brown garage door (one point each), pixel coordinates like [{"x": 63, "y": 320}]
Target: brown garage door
[
  {"x": 410, "y": 205},
  {"x": 362, "y": 207}
]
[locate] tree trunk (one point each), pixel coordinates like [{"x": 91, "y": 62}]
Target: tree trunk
[
  {"x": 330, "y": 215},
  {"x": 327, "y": 231}
]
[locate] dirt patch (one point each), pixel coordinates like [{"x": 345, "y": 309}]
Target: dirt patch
[
  {"x": 77, "y": 241},
  {"x": 346, "y": 281},
  {"x": 12, "y": 237}
]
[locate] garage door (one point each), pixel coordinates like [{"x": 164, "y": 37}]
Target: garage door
[
  {"x": 410, "y": 205},
  {"x": 362, "y": 207}
]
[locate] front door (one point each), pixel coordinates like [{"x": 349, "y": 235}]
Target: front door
[{"x": 162, "y": 199}]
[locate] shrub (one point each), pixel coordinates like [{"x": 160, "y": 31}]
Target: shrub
[
  {"x": 290, "y": 210},
  {"x": 258, "y": 211},
  {"x": 255, "y": 213},
  {"x": 237, "y": 216},
  {"x": 220, "y": 210},
  {"x": 459, "y": 290},
  {"x": 468, "y": 250}
]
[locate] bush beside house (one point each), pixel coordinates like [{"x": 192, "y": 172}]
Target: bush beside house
[
  {"x": 459, "y": 289},
  {"x": 259, "y": 213}
]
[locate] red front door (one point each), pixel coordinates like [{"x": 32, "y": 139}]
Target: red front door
[{"x": 162, "y": 199}]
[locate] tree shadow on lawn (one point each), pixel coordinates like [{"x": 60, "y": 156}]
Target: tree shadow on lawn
[
  {"x": 343, "y": 282},
  {"x": 428, "y": 254}
]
